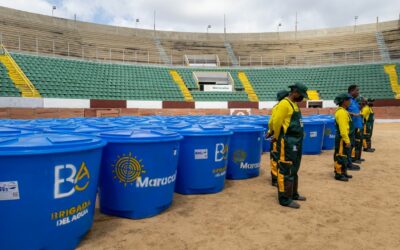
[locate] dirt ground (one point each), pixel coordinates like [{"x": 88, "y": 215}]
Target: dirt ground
[{"x": 360, "y": 214}]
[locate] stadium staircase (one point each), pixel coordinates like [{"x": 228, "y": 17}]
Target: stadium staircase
[
  {"x": 231, "y": 54},
  {"x": 17, "y": 76},
  {"x": 380, "y": 41},
  {"x": 247, "y": 86},
  {"x": 163, "y": 55},
  {"x": 393, "y": 78},
  {"x": 182, "y": 86}
]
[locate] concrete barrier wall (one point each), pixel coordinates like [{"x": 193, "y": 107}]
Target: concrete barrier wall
[
  {"x": 211, "y": 105},
  {"x": 266, "y": 105},
  {"x": 33, "y": 113},
  {"x": 65, "y": 103},
  {"x": 63, "y": 23},
  {"x": 19, "y": 102},
  {"x": 144, "y": 104},
  {"x": 28, "y": 108}
]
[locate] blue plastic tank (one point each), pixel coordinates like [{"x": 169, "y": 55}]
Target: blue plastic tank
[
  {"x": 138, "y": 172},
  {"x": 259, "y": 121},
  {"x": 48, "y": 185},
  {"x": 79, "y": 129},
  {"x": 329, "y": 134},
  {"x": 12, "y": 132},
  {"x": 313, "y": 136},
  {"x": 203, "y": 159},
  {"x": 245, "y": 151}
]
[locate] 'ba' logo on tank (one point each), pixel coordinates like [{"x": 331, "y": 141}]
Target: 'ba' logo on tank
[
  {"x": 129, "y": 170},
  {"x": 68, "y": 179}
]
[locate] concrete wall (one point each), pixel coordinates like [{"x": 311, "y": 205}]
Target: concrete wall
[
  {"x": 33, "y": 113},
  {"x": 211, "y": 105},
  {"x": 18, "y": 102},
  {"x": 107, "y": 29},
  {"x": 23, "y": 102},
  {"x": 145, "y": 104},
  {"x": 65, "y": 103}
]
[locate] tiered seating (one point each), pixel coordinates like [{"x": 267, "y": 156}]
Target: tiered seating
[
  {"x": 329, "y": 81},
  {"x": 43, "y": 34},
  {"x": 65, "y": 78},
  {"x": 392, "y": 40},
  {"x": 7, "y": 87},
  {"x": 37, "y": 33},
  {"x": 62, "y": 78},
  {"x": 349, "y": 48}
]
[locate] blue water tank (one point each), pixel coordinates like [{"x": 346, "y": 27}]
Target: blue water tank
[
  {"x": 245, "y": 151},
  {"x": 203, "y": 159},
  {"x": 48, "y": 185},
  {"x": 313, "y": 136},
  {"x": 138, "y": 172},
  {"x": 259, "y": 121},
  {"x": 11, "y": 132},
  {"x": 329, "y": 133}
]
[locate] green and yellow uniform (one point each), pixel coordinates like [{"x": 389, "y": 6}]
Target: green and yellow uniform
[
  {"x": 343, "y": 129},
  {"x": 368, "y": 122},
  {"x": 273, "y": 153},
  {"x": 288, "y": 133}
]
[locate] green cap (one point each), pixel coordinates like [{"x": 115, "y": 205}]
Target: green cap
[
  {"x": 360, "y": 99},
  {"x": 341, "y": 98},
  {"x": 370, "y": 100},
  {"x": 301, "y": 88},
  {"x": 281, "y": 94}
]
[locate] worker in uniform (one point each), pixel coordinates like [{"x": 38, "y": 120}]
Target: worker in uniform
[
  {"x": 355, "y": 112},
  {"x": 288, "y": 135},
  {"x": 368, "y": 118},
  {"x": 343, "y": 123},
  {"x": 274, "y": 154}
]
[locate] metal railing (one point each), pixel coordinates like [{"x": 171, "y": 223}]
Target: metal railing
[
  {"x": 18, "y": 70},
  {"x": 97, "y": 53}
]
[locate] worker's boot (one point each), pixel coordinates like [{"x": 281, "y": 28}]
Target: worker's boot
[
  {"x": 348, "y": 176},
  {"x": 293, "y": 204},
  {"x": 353, "y": 167},
  {"x": 296, "y": 195},
  {"x": 341, "y": 177}
]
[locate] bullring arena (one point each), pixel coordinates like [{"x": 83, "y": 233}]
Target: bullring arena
[
  {"x": 362, "y": 213},
  {"x": 98, "y": 123}
]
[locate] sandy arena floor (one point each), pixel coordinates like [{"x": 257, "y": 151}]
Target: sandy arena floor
[{"x": 360, "y": 214}]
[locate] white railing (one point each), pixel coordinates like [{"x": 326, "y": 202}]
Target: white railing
[{"x": 96, "y": 53}]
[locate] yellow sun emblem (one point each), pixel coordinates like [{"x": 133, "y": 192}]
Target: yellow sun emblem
[{"x": 127, "y": 169}]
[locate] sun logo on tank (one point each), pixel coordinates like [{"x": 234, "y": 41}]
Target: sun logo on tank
[
  {"x": 127, "y": 169},
  {"x": 239, "y": 156}
]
